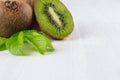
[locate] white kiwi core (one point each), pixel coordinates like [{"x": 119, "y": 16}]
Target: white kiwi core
[{"x": 55, "y": 16}]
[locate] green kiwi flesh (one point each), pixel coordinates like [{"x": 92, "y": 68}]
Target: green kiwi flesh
[{"x": 54, "y": 18}]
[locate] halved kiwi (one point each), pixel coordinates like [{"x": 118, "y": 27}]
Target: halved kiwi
[{"x": 54, "y": 18}]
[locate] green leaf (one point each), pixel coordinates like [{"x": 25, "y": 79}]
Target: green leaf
[
  {"x": 38, "y": 41},
  {"x": 2, "y": 43},
  {"x": 15, "y": 44},
  {"x": 49, "y": 46}
]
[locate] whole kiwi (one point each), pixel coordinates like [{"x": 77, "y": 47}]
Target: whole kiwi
[{"x": 15, "y": 15}]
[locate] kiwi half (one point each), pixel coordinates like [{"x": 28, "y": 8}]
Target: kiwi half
[{"x": 54, "y": 18}]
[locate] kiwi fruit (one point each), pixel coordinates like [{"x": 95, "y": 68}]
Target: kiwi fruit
[
  {"x": 54, "y": 18},
  {"x": 15, "y": 15}
]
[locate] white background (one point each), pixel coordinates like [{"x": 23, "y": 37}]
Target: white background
[{"x": 91, "y": 52}]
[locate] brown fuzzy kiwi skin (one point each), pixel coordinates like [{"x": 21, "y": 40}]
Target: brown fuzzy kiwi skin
[
  {"x": 15, "y": 15},
  {"x": 34, "y": 24},
  {"x": 30, "y": 2}
]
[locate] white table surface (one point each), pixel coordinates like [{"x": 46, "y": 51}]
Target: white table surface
[{"x": 91, "y": 52}]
